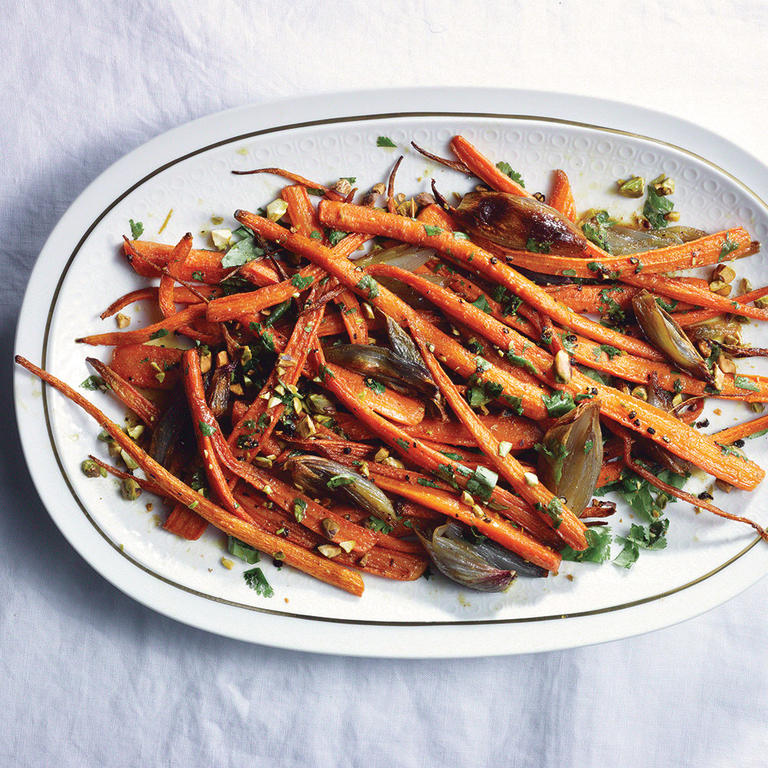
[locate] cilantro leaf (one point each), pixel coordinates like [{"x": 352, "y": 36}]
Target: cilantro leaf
[
  {"x": 507, "y": 169},
  {"x": 728, "y": 247},
  {"x": 297, "y": 281},
  {"x": 558, "y": 403},
  {"x": 240, "y": 549},
  {"x": 385, "y": 141},
  {"x": 137, "y": 229},
  {"x": 257, "y": 581},
  {"x": 242, "y": 252},
  {"x": 376, "y": 386},
  {"x": 206, "y": 429},
  {"x": 598, "y": 547},
  {"x": 335, "y": 236},
  {"x": 656, "y": 207}
]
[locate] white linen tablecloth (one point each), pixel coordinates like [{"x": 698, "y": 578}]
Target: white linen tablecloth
[{"x": 88, "y": 676}]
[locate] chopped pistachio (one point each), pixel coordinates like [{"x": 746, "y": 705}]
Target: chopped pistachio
[
  {"x": 725, "y": 290},
  {"x": 718, "y": 377},
  {"x": 530, "y": 479},
  {"x": 123, "y": 321},
  {"x": 381, "y": 454},
  {"x": 746, "y": 285},
  {"x": 237, "y": 389},
  {"x": 91, "y": 469},
  {"x": 677, "y": 399},
  {"x": 562, "y": 366},
  {"x": 205, "y": 363},
  {"x": 221, "y": 238},
  {"x": 672, "y": 216},
  {"x": 724, "y": 273},
  {"x": 130, "y": 489},
  {"x": 276, "y": 210},
  {"x": 631, "y": 187},
  {"x": 347, "y": 546},
  {"x": 757, "y": 407},
  {"x": 306, "y": 427},
  {"x": 641, "y": 393},
  {"x": 262, "y": 461},
  {"x": 273, "y": 401},
  {"x": 726, "y": 364},
  {"x": 364, "y": 471},
  {"x": 723, "y": 486},
  {"x": 391, "y": 461},
  {"x": 128, "y": 459},
  {"x": 227, "y": 563},
  {"x": 222, "y": 358},
  {"x": 343, "y": 187},
  {"x": 135, "y": 431},
  {"x": 762, "y": 302},
  {"x": 663, "y": 185},
  {"x": 504, "y": 448},
  {"x": 716, "y": 285},
  {"x": 329, "y": 550},
  {"x": 330, "y": 527},
  {"x": 466, "y": 497}
]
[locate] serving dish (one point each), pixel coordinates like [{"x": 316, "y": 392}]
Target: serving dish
[{"x": 187, "y": 171}]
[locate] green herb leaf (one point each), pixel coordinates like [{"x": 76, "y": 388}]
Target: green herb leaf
[
  {"x": 641, "y": 537},
  {"x": 594, "y": 229},
  {"x": 197, "y": 275},
  {"x": 137, "y": 229},
  {"x": 240, "y": 549},
  {"x": 158, "y": 334},
  {"x": 742, "y": 382},
  {"x": 385, "y": 141},
  {"x": 297, "y": 281},
  {"x": 432, "y": 231},
  {"x": 728, "y": 247},
  {"x": 521, "y": 362},
  {"x": 598, "y": 547},
  {"x": 257, "y": 581},
  {"x": 299, "y": 509},
  {"x": 558, "y": 403},
  {"x": 93, "y": 383},
  {"x": 376, "y": 386},
  {"x": 538, "y": 246},
  {"x": 656, "y": 207},
  {"x": 427, "y": 483},
  {"x": 482, "y": 482},
  {"x": 339, "y": 481},
  {"x": 507, "y": 169},
  {"x": 335, "y": 236},
  {"x": 242, "y": 252},
  {"x": 369, "y": 285},
  {"x": 206, "y": 429},
  {"x": 378, "y": 525}
]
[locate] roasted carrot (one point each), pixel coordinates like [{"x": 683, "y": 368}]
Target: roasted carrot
[
  {"x": 165, "y": 291},
  {"x": 145, "y": 409},
  {"x": 149, "y": 332},
  {"x": 204, "y": 266},
  {"x": 687, "y": 319},
  {"x": 484, "y": 169},
  {"x": 184, "y": 522},
  {"x": 567, "y": 525},
  {"x": 294, "y": 177},
  {"x": 320, "y": 568},
  {"x": 561, "y": 196},
  {"x": 147, "y": 365},
  {"x": 741, "y": 431},
  {"x": 375, "y": 221},
  {"x": 181, "y": 295}
]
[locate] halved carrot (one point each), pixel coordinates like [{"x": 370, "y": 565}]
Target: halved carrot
[
  {"x": 149, "y": 332},
  {"x": 204, "y": 266},
  {"x": 145, "y": 409},
  {"x": 181, "y": 295},
  {"x": 687, "y": 319},
  {"x": 147, "y": 365},
  {"x": 184, "y": 522},
  {"x": 561, "y": 196},
  {"x": 484, "y": 169},
  {"x": 320, "y": 568},
  {"x": 741, "y": 431},
  {"x": 165, "y": 291}
]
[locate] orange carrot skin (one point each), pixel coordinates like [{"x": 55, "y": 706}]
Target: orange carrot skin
[
  {"x": 561, "y": 197},
  {"x": 134, "y": 363},
  {"x": 206, "y": 263},
  {"x": 142, "y": 335},
  {"x": 485, "y": 169},
  {"x": 372, "y": 221},
  {"x": 682, "y": 441},
  {"x": 320, "y": 568},
  {"x": 165, "y": 291},
  {"x": 686, "y": 319},
  {"x": 181, "y": 295},
  {"x": 449, "y": 505},
  {"x": 145, "y": 409},
  {"x": 567, "y": 525},
  {"x": 185, "y": 523},
  {"x": 741, "y": 431}
]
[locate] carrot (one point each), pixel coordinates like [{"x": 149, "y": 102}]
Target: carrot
[
  {"x": 561, "y": 196},
  {"x": 521, "y": 433},
  {"x": 300, "y": 209},
  {"x": 243, "y": 304},
  {"x": 193, "y": 387},
  {"x": 416, "y": 451},
  {"x": 149, "y": 332},
  {"x": 320, "y": 568},
  {"x": 185, "y": 523},
  {"x": 562, "y": 519},
  {"x": 181, "y": 295},
  {"x": 391, "y": 404},
  {"x": 199, "y": 264},
  {"x": 683, "y": 441},
  {"x": 696, "y": 253},
  {"x": 147, "y": 365},
  {"x": 741, "y": 431},
  {"x": 165, "y": 291},
  {"x": 490, "y": 526},
  {"x": 688, "y": 319},
  {"x": 145, "y": 409},
  {"x": 659, "y": 426},
  {"x": 700, "y": 297},
  {"x": 276, "y": 490},
  {"x": 375, "y": 221},
  {"x": 481, "y": 167},
  {"x": 294, "y": 177}
]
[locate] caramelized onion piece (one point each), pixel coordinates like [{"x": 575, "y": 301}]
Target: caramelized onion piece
[
  {"x": 519, "y": 223},
  {"x": 663, "y": 331},
  {"x": 571, "y": 455}
]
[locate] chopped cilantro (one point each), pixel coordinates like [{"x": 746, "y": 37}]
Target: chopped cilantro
[
  {"x": 369, "y": 285},
  {"x": 376, "y": 386},
  {"x": 206, "y": 429},
  {"x": 594, "y": 229},
  {"x": 158, "y": 334},
  {"x": 521, "y": 362},
  {"x": 432, "y": 231},
  {"x": 197, "y": 275},
  {"x": 240, "y": 549},
  {"x": 257, "y": 581},
  {"x": 378, "y": 525},
  {"x": 299, "y": 509},
  {"x": 507, "y": 169},
  {"x": 137, "y": 229},
  {"x": 385, "y": 141},
  {"x": 297, "y": 281},
  {"x": 242, "y": 252},
  {"x": 335, "y": 236},
  {"x": 609, "y": 350},
  {"x": 728, "y": 247},
  {"x": 426, "y": 483},
  {"x": 538, "y": 246},
  {"x": 667, "y": 304},
  {"x": 339, "y": 481},
  {"x": 598, "y": 547},
  {"x": 558, "y": 403},
  {"x": 93, "y": 383},
  {"x": 656, "y": 207},
  {"x": 641, "y": 537},
  {"x": 742, "y": 382},
  {"x": 482, "y": 482}
]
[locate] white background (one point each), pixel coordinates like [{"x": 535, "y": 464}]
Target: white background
[{"x": 87, "y": 676}]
